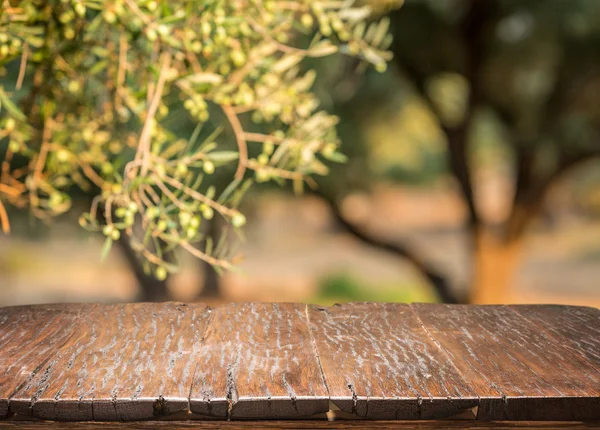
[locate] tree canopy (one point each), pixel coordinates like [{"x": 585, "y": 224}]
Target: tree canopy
[
  {"x": 526, "y": 70},
  {"x": 89, "y": 98}
]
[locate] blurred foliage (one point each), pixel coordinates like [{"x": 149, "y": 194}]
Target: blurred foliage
[
  {"x": 343, "y": 287},
  {"x": 94, "y": 95},
  {"x": 509, "y": 87},
  {"x": 535, "y": 94},
  {"x": 537, "y": 70}
]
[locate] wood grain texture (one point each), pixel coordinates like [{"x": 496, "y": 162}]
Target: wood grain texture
[
  {"x": 379, "y": 363},
  {"x": 273, "y": 361},
  {"x": 518, "y": 370},
  {"x": 296, "y": 424},
  {"x": 124, "y": 362},
  {"x": 257, "y": 360},
  {"x": 576, "y": 328},
  {"x": 29, "y": 338}
]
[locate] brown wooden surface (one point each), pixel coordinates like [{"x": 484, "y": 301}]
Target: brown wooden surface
[
  {"x": 30, "y": 338},
  {"x": 257, "y": 360},
  {"x": 130, "y": 361},
  {"x": 519, "y": 370},
  {"x": 379, "y": 363},
  {"x": 273, "y": 361},
  {"x": 577, "y": 328},
  {"x": 295, "y": 424}
]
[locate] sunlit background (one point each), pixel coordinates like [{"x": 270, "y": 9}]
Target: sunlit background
[{"x": 473, "y": 175}]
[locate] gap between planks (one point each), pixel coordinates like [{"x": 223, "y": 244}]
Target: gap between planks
[
  {"x": 231, "y": 387},
  {"x": 475, "y": 409},
  {"x": 316, "y": 351}
]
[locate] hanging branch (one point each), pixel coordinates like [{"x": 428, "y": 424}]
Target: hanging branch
[{"x": 109, "y": 85}]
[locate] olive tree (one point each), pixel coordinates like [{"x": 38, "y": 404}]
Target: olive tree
[
  {"x": 89, "y": 97},
  {"x": 529, "y": 71}
]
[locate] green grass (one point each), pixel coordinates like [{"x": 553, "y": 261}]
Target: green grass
[{"x": 339, "y": 288}]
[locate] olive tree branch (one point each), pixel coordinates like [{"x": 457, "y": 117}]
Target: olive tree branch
[
  {"x": 143, "y": 150},
  {"x": 240, "y": 140}
]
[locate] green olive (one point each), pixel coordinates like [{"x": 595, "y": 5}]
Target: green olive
[
  {"x": 161, "y": 273},
  {"x": 238, "y": 220},
  {"x": 208, "y": 167}
]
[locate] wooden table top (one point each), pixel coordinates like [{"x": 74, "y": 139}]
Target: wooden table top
[{"x": 97, "y": 362}]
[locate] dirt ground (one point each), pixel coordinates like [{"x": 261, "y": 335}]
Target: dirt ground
[{"x": 292, "y": 245}]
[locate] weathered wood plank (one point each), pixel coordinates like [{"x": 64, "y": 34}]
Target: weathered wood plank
[
  {"x": 127, "y": 362},
  {"x": 257, "y": 360},
  {"x": 124, "y": 362},
  {"x": 380, "y": 363},
  {"x": 295, "y": 424},
  {"x": 575, "y": 327},
  {"x": 519, "y": 372},
  {"x": 29, "y": 337}
]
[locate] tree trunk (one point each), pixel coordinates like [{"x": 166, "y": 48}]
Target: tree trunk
[
  {"x": 439, "y": 282},
  {"x": 211, "y": 288},
  {"x": 496, "y": 262},
  {"x": 151, "y": 289}
]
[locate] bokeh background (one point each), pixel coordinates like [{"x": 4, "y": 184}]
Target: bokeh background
[{"x": 473, "y": 175}]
